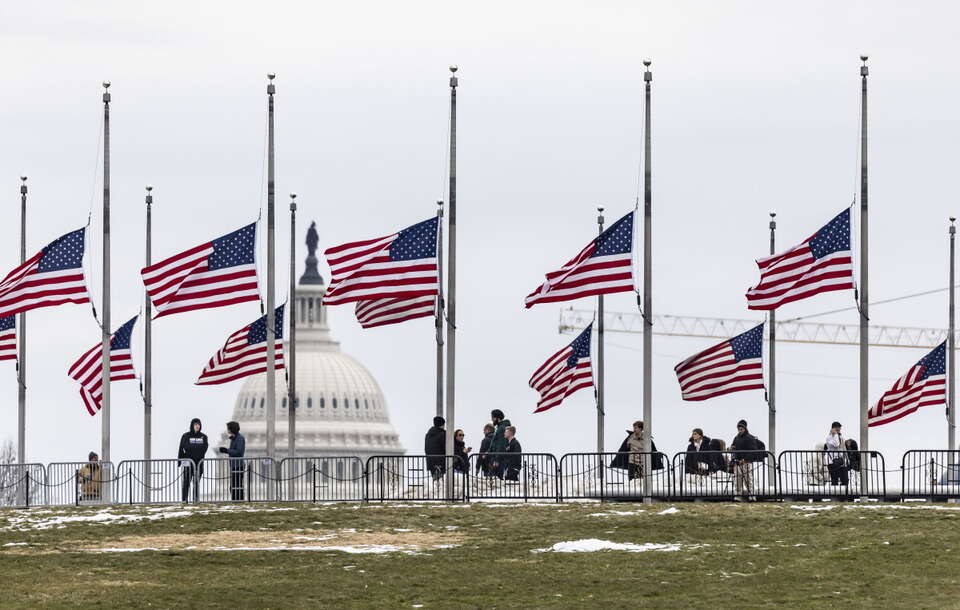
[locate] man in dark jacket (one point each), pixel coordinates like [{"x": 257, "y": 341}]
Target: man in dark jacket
[
  {"x": 238, "y": 445},
  {"x": 512, "y": 460},
  {"x": 498, "y": 444},
  {"x": 697, "y": 460},
  {"x": 193, "y": 446},
  {"x": 745, "y": 451},
  {"x": 483, "y": 461},
  {"x": 435, "y": 444}
]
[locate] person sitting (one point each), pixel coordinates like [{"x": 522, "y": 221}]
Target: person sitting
[
  {"x": 836, "y": 457},
  {"x": 90, "y": 479},
  {"x": 717, "y": 449},
  {"x": 512, "y": 460},
  {"x": 698, "y": 460}
]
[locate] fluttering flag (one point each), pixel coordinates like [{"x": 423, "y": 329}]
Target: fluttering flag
[
  {"x": 214, "y": 274},
  {"x": 380, "y": 312},
  {"x": 8, "y": 338},
  {"x": 924, "y": 385},
  {"x": 733, "y": 365},
  {"x": 52, "y": 276},
  {"x": 605, "y": 266},
  {"x": 564, "y": 373},
  {"x": 88, "y": 369},
  {"x": 245, "y": 352},
  {"x": 821, "y": 263},
  {"x": 402, "y": 265}
]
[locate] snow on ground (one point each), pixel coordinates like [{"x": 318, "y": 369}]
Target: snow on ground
[
  {"x": 31, "y": 519},
  {"x": 590, "y": 545},
  {"x": 670, "y": 511}
]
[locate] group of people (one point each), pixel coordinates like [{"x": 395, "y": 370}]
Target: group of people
[
  {"x": 193, "y": 447},
  {"x": 499, "y": 455}
]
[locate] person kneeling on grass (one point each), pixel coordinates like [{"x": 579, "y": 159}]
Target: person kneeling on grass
[{"x": 512, "y": 461}]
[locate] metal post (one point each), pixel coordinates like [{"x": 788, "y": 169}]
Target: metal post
[
  {"x": 772, "y": 385},
  {"x": 452, "y": 277},
  {"x": 291, "y": 356},
  {"x": 600, "y": 403},
  {"x": 647, "y": 292},
  {"x": 148, "y": 360},
  {"x": 439, "y": 306},
  {"x": 105, "y": 306},
  {"x": 271, "y": 328},
  {"x": 864, "y": 285},
  {"x": 22, "y": 339},
  {"x": 951, "y": 347}
]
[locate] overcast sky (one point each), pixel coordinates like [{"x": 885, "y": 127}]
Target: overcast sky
[{"x": 755, "y": 109}]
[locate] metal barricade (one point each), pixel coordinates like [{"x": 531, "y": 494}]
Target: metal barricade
[
  {"x": 839, "y": 475},
  {"x": 80, "y": 483},
  {"x": 930, "y": 473},
  {"x": 322, "y": 479},
  {"x": 22, "y": 485},
  {"x": 237, "y": 480},
  {"x": 156, "y": 481},
  {"x": 614, "y": 476},
  {"x": 724, "y": 475},
  {"x": 516, "y": 476},
  {"x": 415, "y": 477}
]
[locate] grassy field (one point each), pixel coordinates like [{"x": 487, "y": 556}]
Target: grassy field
[{"x": 483, "y": 556}]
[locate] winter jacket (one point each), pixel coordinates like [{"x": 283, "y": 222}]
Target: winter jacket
[
  {"x": 622, "y": 459},
  {"x": 435, "y": 445},
  {"x": 833, "y": 446},
  {"x": 635, "y": 445},
  {"x": 498, "y": 444},
  {"x": 460, "y": 450},
  {"x": 511, "y": 463},
  {"x": 238, "y": 446},
  {"x": 744, "y": 447},
  {"x": 692, "y": 461},
  {"x": 483, "y": 461},
  {"x": 193, "y": 445}
]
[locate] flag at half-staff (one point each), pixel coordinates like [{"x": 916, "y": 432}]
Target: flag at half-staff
[
  {"x": 88, "y": 369},
  {"x": 564, "y": 373},
  {"x": 924, "y": 385},
  {"x": 733, "y": 365},
  {"x": 245, "y": 352},
  {"x": 399, "y": 266},
  {"x": 821, "y": 263},
  {"x": 8, "y": 338},
  {"x": 218, "y": 273},
  {"x": 380, "y": 312},
  {"x": 52, "y": 276},
  {"x": 604, "y": 266}
]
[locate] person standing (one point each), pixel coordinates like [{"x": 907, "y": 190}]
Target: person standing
[
  {"x": 697, "y": 459},
  {"x": 461, "y": 451},
  {"x": 238, "y": 445},
  {"x": 193, "y": 447},
  {"x": 483, "y": 462},
  {"x": 744, "y": 447},
  {"x": 512, "y": 461},
  {"x": 635, "y": 447},
  {"x": 836, "y": 456},
  {"x": 498, "y": 444},
  {"x": 435, "y": 447}
]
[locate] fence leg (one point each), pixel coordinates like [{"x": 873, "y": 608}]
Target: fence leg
[{"x": 27, "y": 486}]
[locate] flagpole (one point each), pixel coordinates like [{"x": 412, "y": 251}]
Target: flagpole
[
  {"x": 951, "y": 347},
  {"x": 291, "y": 355},
  {"x": 600, "y": 404},
  {"x": 452, "y": 277},
  {"x": 439, "y": 312},
  {"x": 647, "y": 290},
  {"x": 148, "y": 358},
  {"x": 271, "y": 328},
  {"x": 22, "y": 338},
  {"x": 864, "y": 285},
  {"x": 772, "y": 386},
  {"x": 105, "y": 307}
]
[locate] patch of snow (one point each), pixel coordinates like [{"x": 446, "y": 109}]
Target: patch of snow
[
  {"x": 617, "y": 513},
  {"x": 17, "y": 544},
  {"x": 590, "y": 545},
  {"x": 670, "y": 511},
  {"x": 814, "y": 508}
]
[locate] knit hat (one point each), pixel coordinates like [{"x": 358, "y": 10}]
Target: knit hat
[
  {"x": 742, "y": 423},
  {"x": 439, "y": 421},
  {"x": 835, "y": 424}
]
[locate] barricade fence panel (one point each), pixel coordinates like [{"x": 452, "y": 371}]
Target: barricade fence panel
[
  {"x": 724, "y": 475},
  {"x": 22, "y": 485},
  {"x": 516, "y": 476},
  {"x": 157, "y": 481},
  {"x": 322, "y": 479},
  {"x": 236, "y": 480},
  {"x": 81, "y": 483},
  {"x": 415, "y": 477},
  {"x": 615, "y": 476},
  {"x": 930, "y": 473},
  {"x": 842, "y": 474}
]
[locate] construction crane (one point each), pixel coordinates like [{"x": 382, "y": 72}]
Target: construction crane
[{"x": 789, "y": 331}]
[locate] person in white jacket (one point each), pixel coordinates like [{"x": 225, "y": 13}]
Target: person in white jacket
[{"x": 836, "y": 456}]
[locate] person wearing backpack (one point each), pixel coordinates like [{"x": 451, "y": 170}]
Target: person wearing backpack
[{"x": 744, "y": 447}]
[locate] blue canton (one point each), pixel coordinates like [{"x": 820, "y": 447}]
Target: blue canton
[
  {"x": 121, "y": 338},
  {"x": 8, "y": 323},
  {"x": 234, "y": 249},
  {"x": 418, "y": 241},
  {"x": 580, "y": 347},
  {"x": 258, "y": 330},
  {"x": 833, "y": 237},
  {"x": 618, "y": 239},
  {"x": 748, "y": 344},
  {"x": 63, "y": 253},
  {"x": 934, "y": 363}
]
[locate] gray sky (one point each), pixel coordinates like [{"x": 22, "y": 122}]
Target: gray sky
[{"x": 755, "y": 108}]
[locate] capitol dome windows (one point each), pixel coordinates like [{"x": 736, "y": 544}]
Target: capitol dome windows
[
  {"x": 310, "y": 402},
  {"x": 323, "y": 403}
]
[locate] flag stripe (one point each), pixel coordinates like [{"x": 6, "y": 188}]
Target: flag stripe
[{"x": 53, "y": 276}]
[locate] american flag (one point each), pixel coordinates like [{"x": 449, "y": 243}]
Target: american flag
[
  {"x": 731, "y": 366},
  {"x": 215, "y": 274},
  {"x": 8, "y": 338},
  {"x": 821, "y": 263},
  {"x": 603, "y": 267},
  {"x": 925, "y": 384},
  {"x": 380, "y": 312},
  {"x": 564, "y": 373},
  {"x": 401, "y": 265},
  {"x": 88, "y": 369},
  {"x": 245, "y": 353},
  {"x": 52, "y": 276}
]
